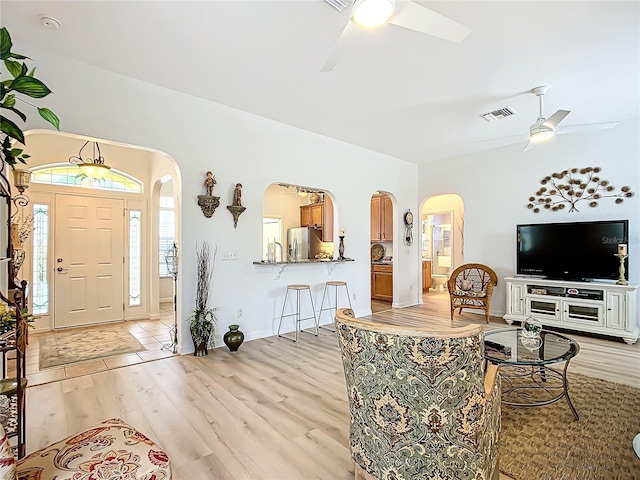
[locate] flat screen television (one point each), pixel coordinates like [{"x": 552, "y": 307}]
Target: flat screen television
[{"x": 572, "y": 251}]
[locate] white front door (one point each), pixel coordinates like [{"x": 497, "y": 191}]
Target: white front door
[{"x": 88, "y": 260}]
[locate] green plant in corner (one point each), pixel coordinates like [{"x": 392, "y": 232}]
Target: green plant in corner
[
  {"x": 23, "y": 82},
  {"x": 203, "y": 321}
]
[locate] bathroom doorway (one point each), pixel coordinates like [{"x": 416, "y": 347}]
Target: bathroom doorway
[{"x": 442, "y": 242}]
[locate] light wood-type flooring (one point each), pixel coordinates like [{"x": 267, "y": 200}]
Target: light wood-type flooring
[{"x": 273, "y": 410}]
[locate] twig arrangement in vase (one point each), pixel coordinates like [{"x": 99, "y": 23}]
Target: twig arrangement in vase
[{"x": 203, "y": 321}]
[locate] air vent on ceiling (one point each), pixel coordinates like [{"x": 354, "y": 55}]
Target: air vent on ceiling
[
  {"x": 499, "y": 114},
  {"x": 339, "y": 4}
]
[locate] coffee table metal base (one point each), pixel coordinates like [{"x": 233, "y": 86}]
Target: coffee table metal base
[{"x": 535, "y": 386}]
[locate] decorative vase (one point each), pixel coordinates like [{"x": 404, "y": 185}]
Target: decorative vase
[
  {"x": 201, "y": 349},
  {"x": 233, "y": 338}
]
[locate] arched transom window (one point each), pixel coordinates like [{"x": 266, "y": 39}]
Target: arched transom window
[{"x": 67, "y": 175}]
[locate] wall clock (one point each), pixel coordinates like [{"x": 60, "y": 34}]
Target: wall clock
[{"x": 408, "y": 228}]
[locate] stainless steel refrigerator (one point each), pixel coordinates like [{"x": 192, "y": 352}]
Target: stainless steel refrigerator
[{"x": 303, "y": 243}]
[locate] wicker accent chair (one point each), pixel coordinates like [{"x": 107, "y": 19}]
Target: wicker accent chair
[
  {"x": 471, "y": 286},
  {"x": 423, "y": 404}
]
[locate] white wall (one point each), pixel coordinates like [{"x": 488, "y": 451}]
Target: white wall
[
  {"x": 244, "y": 148},
  {"x": 495, "y": 187}
]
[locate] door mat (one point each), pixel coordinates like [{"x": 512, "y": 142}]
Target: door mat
[
  {"x": 547, "y": 443},
  {"x": 61, "y": 348}
]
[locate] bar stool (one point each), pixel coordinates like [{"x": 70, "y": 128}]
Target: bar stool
[
  {"x": 334, "y": 284},
  {"x": 297, "y": 289}
]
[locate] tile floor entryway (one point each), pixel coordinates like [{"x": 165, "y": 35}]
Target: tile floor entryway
[{"x": 152, "y": 334}]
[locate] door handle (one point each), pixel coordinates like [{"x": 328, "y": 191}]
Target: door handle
[{"x": 61, "y": 270}]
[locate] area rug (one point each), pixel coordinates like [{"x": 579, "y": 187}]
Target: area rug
[
  {"x": 62, "y": 348},
  {"x": 547, "y": 443}
]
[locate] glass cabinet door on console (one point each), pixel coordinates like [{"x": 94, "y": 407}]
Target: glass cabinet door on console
[
  {"x": 543, "y": 307},
  {"x": 583, "y": 312}
]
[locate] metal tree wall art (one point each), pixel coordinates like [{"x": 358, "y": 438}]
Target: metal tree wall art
[{"x": 569, "y": 187}]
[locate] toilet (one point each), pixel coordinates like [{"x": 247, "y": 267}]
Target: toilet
[{"x": 438, "y": 281}]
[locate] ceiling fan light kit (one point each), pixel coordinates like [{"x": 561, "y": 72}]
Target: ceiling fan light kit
[
  {"x": 540, "y": 133},
  {"x": 373, "y": 13},
  {"x": 376, "y": 13}
]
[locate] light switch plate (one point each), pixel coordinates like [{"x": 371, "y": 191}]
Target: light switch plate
[{"x": 230, "y": 256}]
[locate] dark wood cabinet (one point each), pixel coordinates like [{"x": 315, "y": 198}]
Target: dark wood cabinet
[
  {"x": 426, "y": 275},
  {"x": 381, "y": 218},
  {"x": 382, "y": 282}
]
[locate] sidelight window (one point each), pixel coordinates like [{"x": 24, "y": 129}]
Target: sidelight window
[
  {"x": 135, "y": 257},
  {"x": 40, "y": 284}
]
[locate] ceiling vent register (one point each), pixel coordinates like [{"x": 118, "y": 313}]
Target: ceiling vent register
[{"x": 499, "y": 114}]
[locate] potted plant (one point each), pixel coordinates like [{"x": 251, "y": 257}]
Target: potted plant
[
  {"x": 203, "y": 321},
  {"x": 23, "y": 82}
]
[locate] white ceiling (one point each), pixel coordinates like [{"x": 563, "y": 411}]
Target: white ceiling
[{"x": 395, "y": 91}]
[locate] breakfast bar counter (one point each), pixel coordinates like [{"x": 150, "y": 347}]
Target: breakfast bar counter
[{"x": 279, "y": 266}]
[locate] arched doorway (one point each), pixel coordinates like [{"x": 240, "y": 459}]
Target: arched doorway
[
  {"x": 442, "y": 241},
  {"x": 53, "y": 183},
  {"x": 382, "y": 247}
]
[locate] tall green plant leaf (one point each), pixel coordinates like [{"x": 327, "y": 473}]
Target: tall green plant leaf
[
  {"x": 9, "y": 100},
  {"x": 50, "y": 117},
  {"x": 22, "y": 116},
  {"x": 30, "y": 86},
  {"x": 15, "y": 68},
  {"x": 5, "y": 44},
  {"x": 11, "y": 129}
]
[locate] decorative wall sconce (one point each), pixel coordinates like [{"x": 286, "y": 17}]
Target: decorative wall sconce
[
  {"x": 208, "y": 203},
  {"x": 21, "y": 179},
  {"x": 236, "y": 209},
  {"x": 572, "y": 186}
]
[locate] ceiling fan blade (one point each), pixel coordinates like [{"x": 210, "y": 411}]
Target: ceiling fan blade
[
  {"x": 421, "y": 19},
  {"x": 556, "y": 118},
  {"x": 510, "y": 138},
  {"x": 586, "y": 127},
  {"x": 347, "y": 37},
  {"x": 529, "y": 146}
]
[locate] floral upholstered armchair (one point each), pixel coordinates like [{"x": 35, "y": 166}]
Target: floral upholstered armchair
[
  {"x": 422, "y": 403},
  {"x": 471, "y": 286},
  {"x": 110, "y": 450}
]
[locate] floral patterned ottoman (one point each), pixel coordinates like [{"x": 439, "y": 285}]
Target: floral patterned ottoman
[{"x": 110, "y": 450}]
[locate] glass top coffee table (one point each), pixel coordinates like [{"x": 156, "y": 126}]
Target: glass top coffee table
[{"x": 528, "y": 380}]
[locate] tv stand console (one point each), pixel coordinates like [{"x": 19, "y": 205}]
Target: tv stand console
[{"x": 595, "y": 307}]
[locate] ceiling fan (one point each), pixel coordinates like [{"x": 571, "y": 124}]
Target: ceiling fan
[
  {"x": 545, "y": 128},
  {"x": 375, "y": 13}
]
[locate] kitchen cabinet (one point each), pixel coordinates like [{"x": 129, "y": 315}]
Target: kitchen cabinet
[
  {"x": 382, "y": 282},
  {"x": 381, "y": 218},
  {"x": 319, "y": 215},
  {"x": 311, "y": 215},
  {"x": 426, "y": 275}
]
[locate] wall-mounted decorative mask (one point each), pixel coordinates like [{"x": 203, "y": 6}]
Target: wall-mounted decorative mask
[{"x": 569, "y": 187}]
